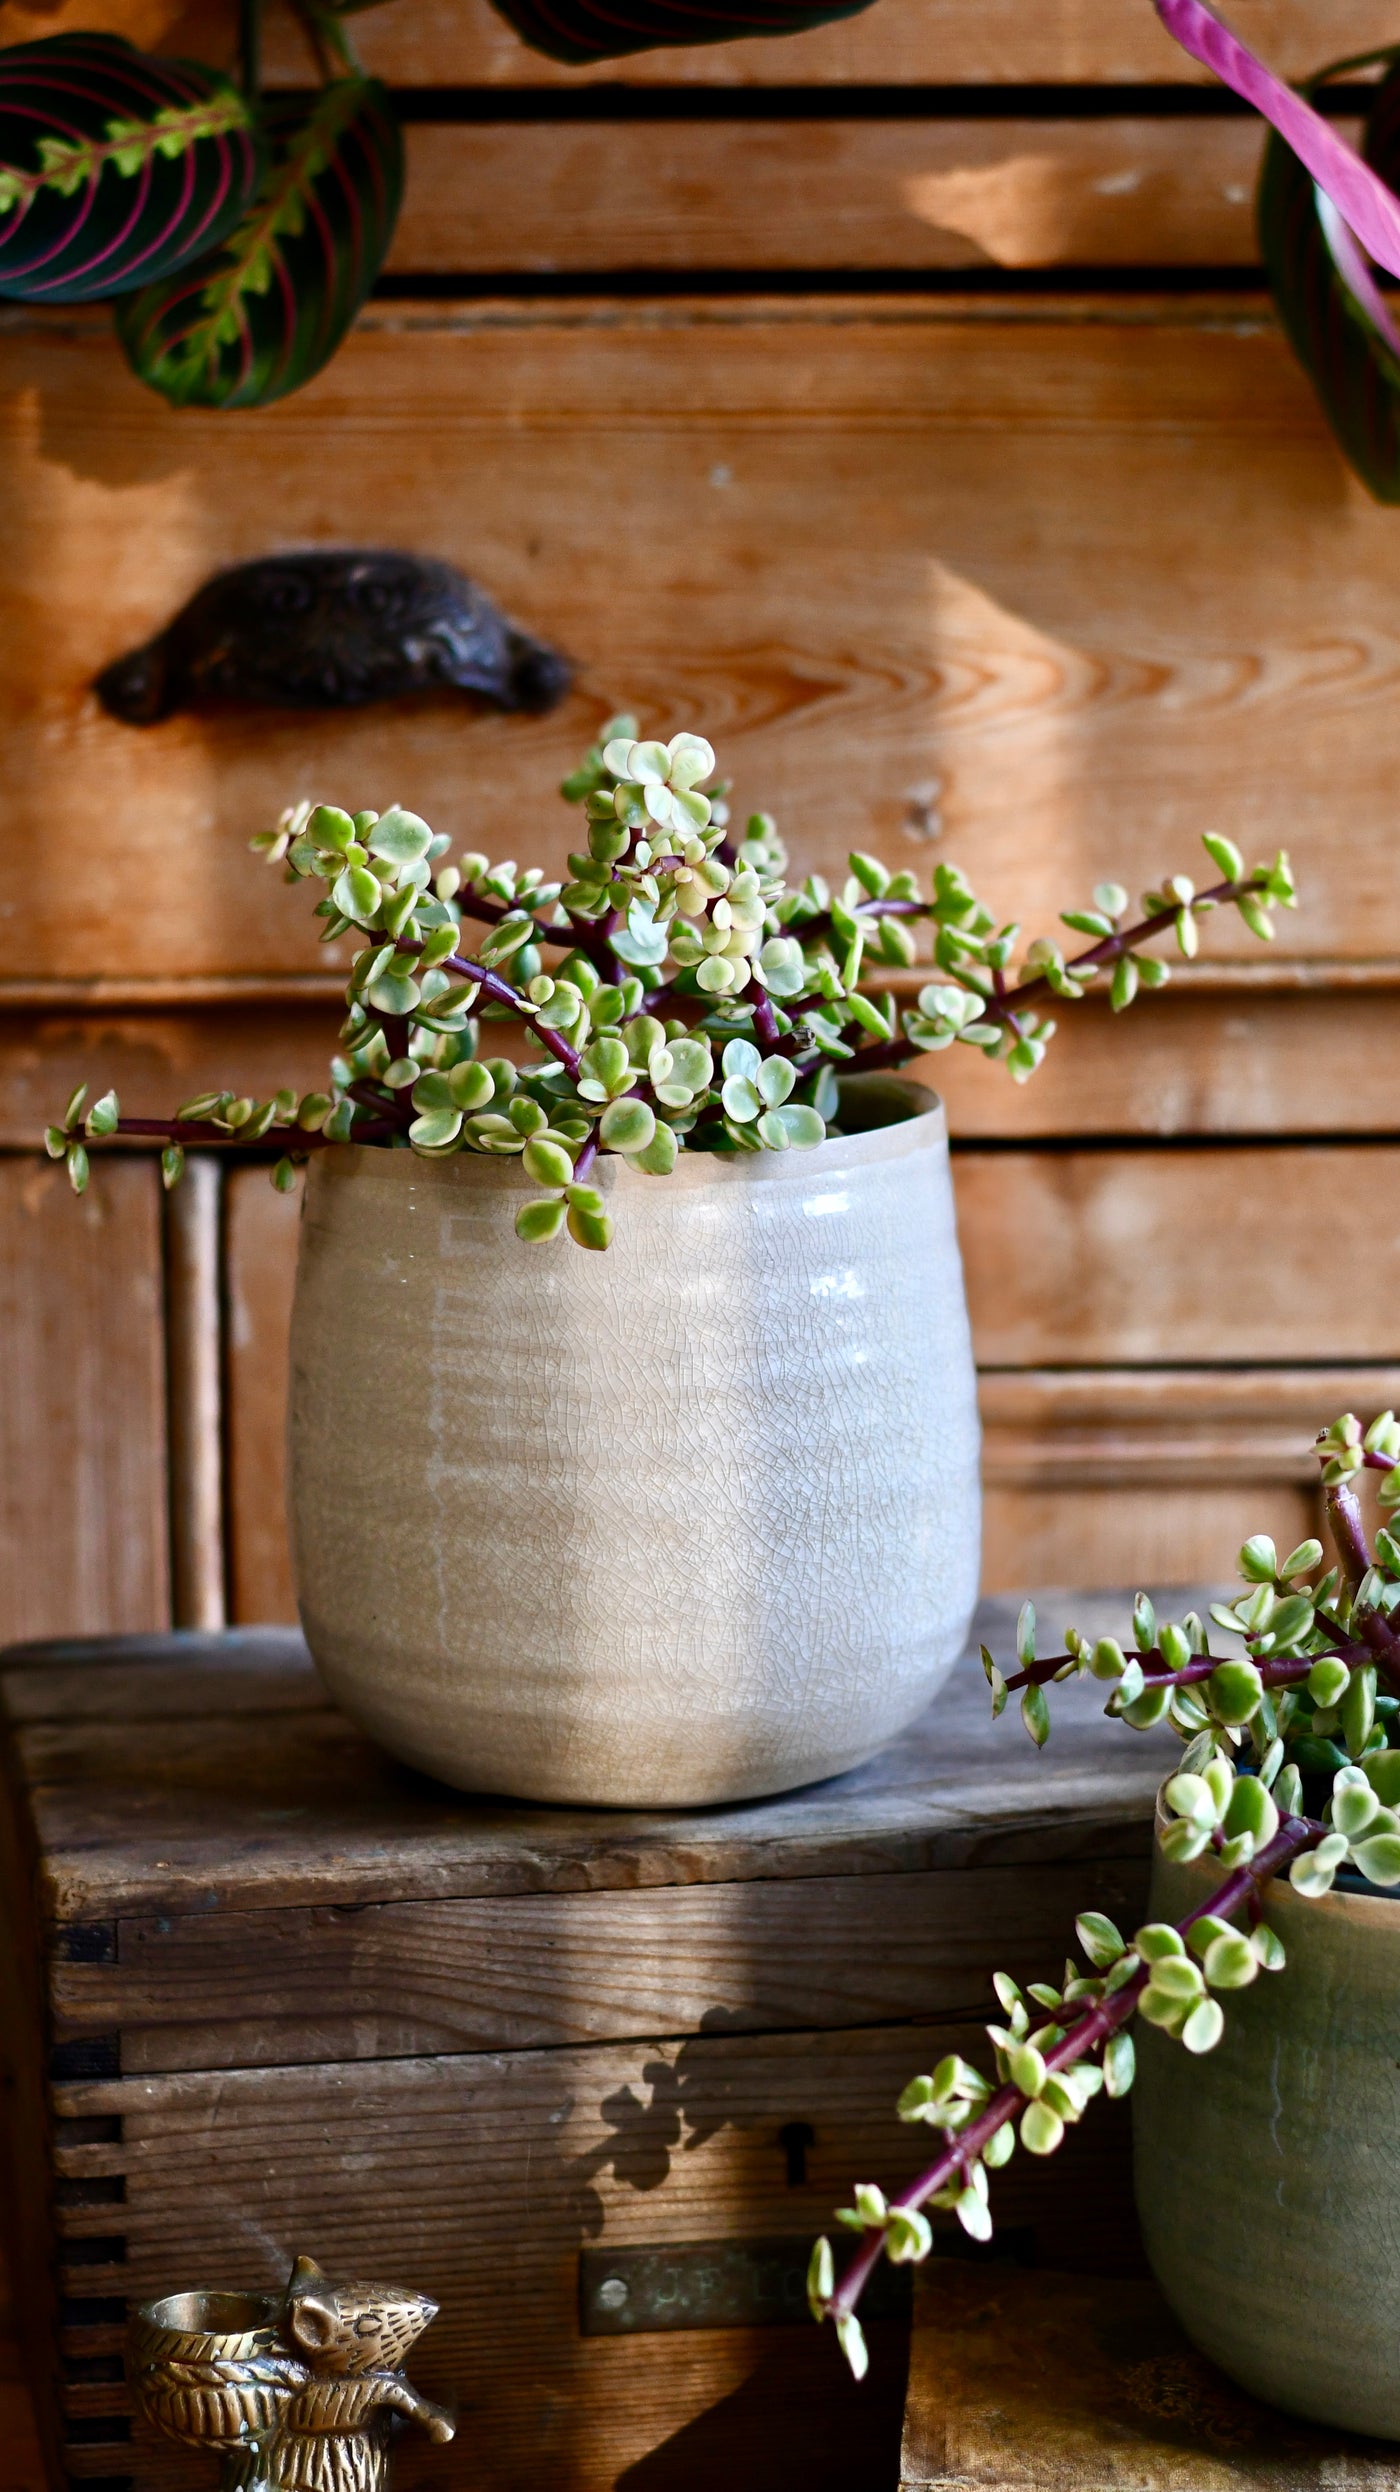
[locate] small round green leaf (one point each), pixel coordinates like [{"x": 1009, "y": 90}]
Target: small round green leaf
[
  {"x": 434, "y": 1131},
  {"x": 535, "y": 1221},
  {"x": 628, "y": 1125},
  {"x": 547, "y": 1163}
]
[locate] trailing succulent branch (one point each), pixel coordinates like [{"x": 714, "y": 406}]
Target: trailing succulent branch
[
  {"x": 1292, "y": 1762},
  {"x": 694, "y": 1000}
]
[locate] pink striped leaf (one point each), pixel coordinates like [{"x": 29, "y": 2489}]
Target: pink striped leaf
[
  {"x": 1341, "y": 326},
  {"x": 115, "y": 167},
  {"x": 256, "y": 318},
  {"x": 1362, "y": 198}
]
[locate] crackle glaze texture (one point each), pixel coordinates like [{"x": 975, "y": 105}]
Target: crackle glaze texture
[
  {"x": 689, "y": 1521},
  {"x": 1268, "y": 2173}
]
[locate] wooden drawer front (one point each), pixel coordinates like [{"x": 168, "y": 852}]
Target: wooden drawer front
[
  {"x": 917, "y": 42},
  {"x": 393, "y": 1980},
  {"x": 987, "y": 575},
  {"x": 829, "y": 194},
  {"x": 482, "y": 2178}
]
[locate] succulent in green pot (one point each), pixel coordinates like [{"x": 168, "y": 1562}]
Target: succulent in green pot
[
  {"x": 1253, "y": 2014},
  {"x": 691, "y": 1514}
]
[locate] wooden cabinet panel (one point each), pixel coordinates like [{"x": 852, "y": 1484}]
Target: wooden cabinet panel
[
  {"x": 920, "y": 42},
  {"x": 1056, "y": 591},
  {"x": 83, "y": 1529},
  {"x": 483, "y": 2176},
  {"x": 829, "y": 195},
  {"x": 1096, "y": 1473},
  {"x": 1089, "y": 1258},
  {"x": 1200, "y": 1059},
  {"x": 260, "y": 1233}
]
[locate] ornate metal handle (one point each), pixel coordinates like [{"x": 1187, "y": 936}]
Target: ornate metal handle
[
  {"x": 333, "y": 631},
  {"x": 288, "y": 2389}
]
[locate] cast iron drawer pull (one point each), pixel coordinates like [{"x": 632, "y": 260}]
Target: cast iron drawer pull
[{"x": 333, "y": 631}]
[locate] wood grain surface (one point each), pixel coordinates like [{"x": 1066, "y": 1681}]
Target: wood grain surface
[
  {"x": 838, "y": 194},
  {"x": 1045, "y": 2383},
  {"x": 1109, "y": 1449},
  {"x": 481, "y": 2177},
  {"x": 918, "y": 42},
  {"x": 150, "y": 1793},
  {"x": 994, "y": 569},
  {"x": 388, "y": 1981},
  {"x": 82, "y": 1418},
  {"x": 1091, "y": 1258},
  {"x": 1203, "y": 1058}
]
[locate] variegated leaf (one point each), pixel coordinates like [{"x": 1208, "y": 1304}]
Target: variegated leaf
[
  {"x": 255, "y": 319},
  {"x": 115, "y": 167}
]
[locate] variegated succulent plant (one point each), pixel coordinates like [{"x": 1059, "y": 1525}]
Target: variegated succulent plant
[
  {"x": 675, "y": 993},
  {"x": 1291, "y": 1764}
]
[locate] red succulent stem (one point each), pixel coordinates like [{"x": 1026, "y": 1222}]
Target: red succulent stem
[
  {"x": 1004, "y": 1004},
  {"x": 1088, "y": 2033}
]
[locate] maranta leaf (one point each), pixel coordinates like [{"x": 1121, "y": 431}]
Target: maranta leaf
[
  {"x": 599, "y": 30},
  {"x": 115, "y": 167},
  {"x": 259, "y": 316},
  {"x": 1339, "y": 324}
]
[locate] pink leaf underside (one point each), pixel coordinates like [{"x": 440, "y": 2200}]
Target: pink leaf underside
[
  {"x": 1359, "y": 195},
  {"x": 1354, "y": 269}
]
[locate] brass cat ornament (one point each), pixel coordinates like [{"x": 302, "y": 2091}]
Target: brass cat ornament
[{"x": 294, "y": 2392}]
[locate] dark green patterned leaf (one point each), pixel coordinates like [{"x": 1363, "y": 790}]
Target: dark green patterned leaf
[
  {"x": 115, "y": 168},
  {"x": 258, "y": 317},
  {"x": 600, "y": 30},
  {"x": 1340, "y": 325}
]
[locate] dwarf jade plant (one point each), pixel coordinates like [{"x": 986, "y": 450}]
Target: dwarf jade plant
[
  {"x": 674, "y": 994},
  {"x": 1292, "y": 1762}
]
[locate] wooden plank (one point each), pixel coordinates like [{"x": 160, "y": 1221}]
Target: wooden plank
[
  {"x": 262, "y": 1989},
  {"x": 193, "y": 1258},
  {"x": 481, "y": 2178},
  {"x": 902, "y": 41},
  {"x": 82, "y": 1428},
  {"x": 833, "y": 194},
  {"x": 262, "y": 1230},
  {"x": 1173, "y": 1532},
  {"x": 1095, "y": 1475},
  {"x": 1098, "y": 582},
  {"x": 1249, "y": 1255},
  {"x": 1194, "y": 1060},
  {"x": 1156, "y": 1426},
  {"x": 1043, "y": 2383},
  {"x": 139, "y": 1812}
]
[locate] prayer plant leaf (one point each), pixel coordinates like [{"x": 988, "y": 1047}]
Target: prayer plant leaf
[
  {"x": 261, "y": 315},
  {"x": 598, "y": 30},
  {"x": 116, "y": 168},
  {"x": 1360, "y": 192},
  {"x": 1339, "y": 323}
]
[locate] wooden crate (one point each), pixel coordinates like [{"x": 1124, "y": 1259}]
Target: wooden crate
[{"x": 265, "y": 1991}]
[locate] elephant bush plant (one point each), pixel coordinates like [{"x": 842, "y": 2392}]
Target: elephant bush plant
[
  {"x": 675, "y": 993},
  {"x": 1291, "y": 1763}
]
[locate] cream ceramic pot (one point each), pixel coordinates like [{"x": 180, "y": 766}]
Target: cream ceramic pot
[
  {"x": 1268, "y": 2173},
  {"x": 688, "y": 1521}
]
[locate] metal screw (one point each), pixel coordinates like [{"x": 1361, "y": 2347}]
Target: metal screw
[{"x": 612, "y": 2293}]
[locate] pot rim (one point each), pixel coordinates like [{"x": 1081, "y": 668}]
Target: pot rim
[
  {"x": 924, "y": 1128},
  {"x": 1346, "y": 1901}
]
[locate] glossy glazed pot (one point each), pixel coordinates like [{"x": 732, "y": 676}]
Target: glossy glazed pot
[
  {"x": 1268, "y": 2173},
  {"x": 688, "y": 1521}
]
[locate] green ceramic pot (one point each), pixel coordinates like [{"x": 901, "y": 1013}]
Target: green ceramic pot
[{"x": 1268, "y": 2173}]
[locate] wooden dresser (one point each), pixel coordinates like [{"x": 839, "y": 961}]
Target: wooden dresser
[{"x": 900, "y": 403}]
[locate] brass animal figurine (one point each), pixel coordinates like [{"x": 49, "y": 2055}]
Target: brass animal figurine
[
  {"x": 333, "y": 630},
  {"x": 294, "y": 2392}
]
